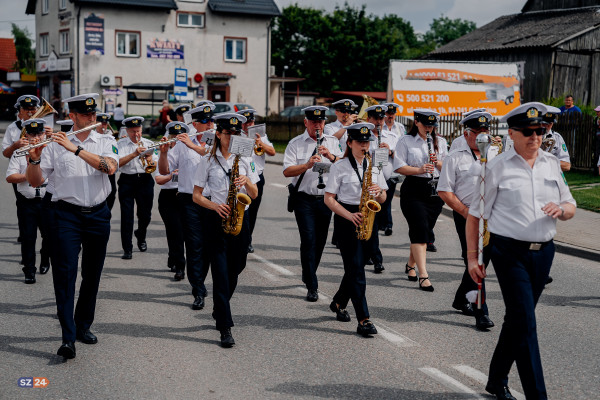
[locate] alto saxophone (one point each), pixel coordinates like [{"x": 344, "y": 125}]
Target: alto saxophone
[
  {"x": 368, "y": 206},
  {"x": 237, "y": 202}
]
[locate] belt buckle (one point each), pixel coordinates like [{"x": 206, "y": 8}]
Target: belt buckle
[
  {"x": 535, "y": 246},
  {"x": 86, "y": 209}
]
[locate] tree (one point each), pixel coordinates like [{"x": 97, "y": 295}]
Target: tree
[
  {"x": 25, "y": 52},
  {"x": 444, "y": 30}
]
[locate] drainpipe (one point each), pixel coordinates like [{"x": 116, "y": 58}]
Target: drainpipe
[
  {"x": 78, "y": 55},
  {"x": 268, "y": 65}
]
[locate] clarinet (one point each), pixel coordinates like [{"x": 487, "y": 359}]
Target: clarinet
[
  {"x": 433, "y": 182},
  {"x": 321, "y": 184}
]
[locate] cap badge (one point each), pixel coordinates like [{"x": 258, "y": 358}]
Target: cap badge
[
  {"x": 135, "y": 121},
  {"x": 431, "y": 117},
  {"x": 364, "y": 129},
  {"x": 317, "y": 112},
  {"x": 482, "y": 119},
  {"x": 33, "y": 124},
  {"x": 346, "y": 103},
  {"x": 177, "y": 127},
  {"x": 206, "y": 109},
  {"x": 233, "y": 121},
  {"x": 378, "y": 109},
  {"x": 89, "y": 102},
  {"x": 532, "y": 113},
  {"x": 27, "y": 99}
]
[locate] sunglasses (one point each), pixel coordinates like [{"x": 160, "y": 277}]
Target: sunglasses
[
  {"x": 528, "y": 131},
  {"x": 204, "y": 121}
]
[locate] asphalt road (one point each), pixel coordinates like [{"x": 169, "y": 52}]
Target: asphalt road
[{"x": 153, "y": 345}]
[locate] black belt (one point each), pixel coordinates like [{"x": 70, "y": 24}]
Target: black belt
[
  {"x": 311, "y": 196},
  {"x": 31, "y": 200},
  {"x": 138, "y": 175},
  {"x": 65, "y": 206},
  {"x": 535, "y": 246}
]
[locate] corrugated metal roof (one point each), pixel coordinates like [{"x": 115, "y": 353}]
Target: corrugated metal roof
[
  {"x": 531, "y": 29},
  {"x": 8, "y": 54},
  {"x": 254, "y": 7}
]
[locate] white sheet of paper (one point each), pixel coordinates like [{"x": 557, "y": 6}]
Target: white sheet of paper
[
  {"x": 208, "y": 137},
  {"x": 187, "y": 118},
  {"x": 49, "y": 120},
  {"x": 380, "y": 157},
  {"x": 241, "y": 145},
  {"x": 261, "y": 129},
  {"x": 321, "y": 167}
]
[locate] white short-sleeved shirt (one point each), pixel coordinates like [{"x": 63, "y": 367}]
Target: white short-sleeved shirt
[
  {"x": 11, "y": 135},
  {"x": 457, "y": 175},
  {"x": 259, "y": 161},
  {"x": 345, "y": 183},
  {"x": 299, "y": 150},
  {"x": 397, "y": 128},
  {"x": 186, "y": 161},
  {"x": 126, "y": 147},
  {"x": 119, "y": 114},
  {"x": 74, "y": 180},
  {"x": 458, "y": 143},
  {"x": 515, "y": 194},
  {"x": 173, "y": 183},
  {"x": 332, "y": 128},
  {"x": 391, "y": 139},
  {"x": 559, "y": 150},
  {"x": 413, "y": 151},
  {"x": 212, "y": 177},
  {"x": 18, "y": 165}
]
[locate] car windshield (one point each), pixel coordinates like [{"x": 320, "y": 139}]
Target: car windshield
[
  {"x": 220, "y": 108},
  {"x": 292, "y": 111}
]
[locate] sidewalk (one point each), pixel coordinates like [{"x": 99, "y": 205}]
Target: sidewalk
[{"x": 577, "y": 237}]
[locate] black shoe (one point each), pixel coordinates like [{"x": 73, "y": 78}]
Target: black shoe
[
  {"x": 198, "y": 303},
  {"x": 379, "y": 268},
  {"x": 179, "y": 275},
  {"x": 431, "y": 247},
  {"x": 250, "y": 249},
  {"x": 312, "y": 295},
  {"x": 67, "y": 350},
  {"x": 425, "y": 288},
  {"x": 466, "y": 308},
  {"x": 549, "y": 279},
  {"x": 501, "y": 394},
  {"x": 86, "y": 337},
  {"x": 407, "y": 269},
  {"x": 226, "y": 338},
  {"x": 483, "y": 322},
  {"x": 388, "y": 232},
  {"x": 127, "y": 255},
  {"x": 340, "y": 313},
  {"x": 369, "y": 262},
  {"x": 44, "y": 268},
  {"x": 29, "y": 278},
  {"x": 366, "y": 328},
  {"x": 141, "y": 243}
]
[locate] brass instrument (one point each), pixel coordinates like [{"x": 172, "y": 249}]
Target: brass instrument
[
  {"x": 548, "y": 142},
  {"x": 23, "y": 151},
  {"x": 368, "y": 206},
  {"x": 44, "y": 110},
  {"x": 172, "y": 140},
  {"x": 258, "y": 149},
  {"x": 237, "y": 202},
  {"x": 321, "y": 184},
  {"x": 433, "y": 182},
  {"x": 148, "y": 165},
  {"x": 368, "y": 101}
]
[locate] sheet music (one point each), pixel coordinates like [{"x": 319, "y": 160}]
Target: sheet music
[
  {"x": 322, "y": 167},
  {"x": 49, "y": 120},
  {"x": 381, "y": 157},
  {"x": 187, "y": 118},
  {"x": 261, "y": 129},
  {"x": 208, "y": 137},
  {"x": 241, "y": 145}
]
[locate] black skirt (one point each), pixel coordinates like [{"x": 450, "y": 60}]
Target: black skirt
[{"x": 420, "y": 209}]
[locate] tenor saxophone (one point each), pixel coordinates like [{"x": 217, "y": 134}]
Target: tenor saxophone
[
  {"x": 237, "y": 202},
  {"x": 368, "y": 206}
]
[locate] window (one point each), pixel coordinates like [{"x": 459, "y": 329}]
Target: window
[
  {"x": 62, "y": 4},
  {"x": 190, "y": 20},
  {"x": 65, "y": 42},
  {"x": 45, "y": 6},
  {"x": 128, "y": 44},
  {"x": 43, "y": 45},
  {"x": 235, "y": 50}
]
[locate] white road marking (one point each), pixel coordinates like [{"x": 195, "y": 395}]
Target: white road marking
[
  {"x": 394, "y": 337},
  {"x": 482, "y": 378},
  {"x": 281, "y": 270},
  {"x": 265, "y": 274},
  {"x": 448, "y": 381},
  {"x": 279, "y": 185}
]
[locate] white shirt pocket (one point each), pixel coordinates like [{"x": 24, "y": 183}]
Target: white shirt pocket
[
  {"x": 551, "y": 191},
  {"x": 509, "y": 193}
]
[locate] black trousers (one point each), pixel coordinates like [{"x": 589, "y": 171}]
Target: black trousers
[
  {"x": 17, "y": 197},
  {"x": 110, "y": 201},
  {"x": 384, "y": 217},
  {"x": 467, "y": 284},
  {"x": 522, "y": 274},
  {"x": 86, "y": 233},
  {"x": 31, "y": 217},
  {"x": 420, "y": 209},
  {"x": 169, "y": 212},
  {"x": 138, "y": 188},
  {"x": 193, "y": 219},
  {"x": 227, "y": 255},
  {"x": 253, "y": 209},
  {"x": 313, "y": 218},
  {"x": 354, "y": 254}
]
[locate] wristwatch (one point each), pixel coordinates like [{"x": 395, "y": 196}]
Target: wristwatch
[
  {"x": 35, "y": 162},
  {"x": 563, "y": 211},
  {"x": 79, "y": 148}
]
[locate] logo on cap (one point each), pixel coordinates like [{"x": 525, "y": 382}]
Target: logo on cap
[
  {"x": 206, "y": 109},
  {"x": 532, "y": 112},
  {"x": 177, "y": 127},
  {"x": 482, "y": 119},
  {"x": 233, "y": 121},
  {"x": 89, "y": 102},
  {"x": 135, "y": 121},
  {"x": 378, "y": 109},
  {"x": 432, "y": 118},
  {"x": 33, "y": 124},
  {"x": 346, "y": 103},
  {"x": 185, "y": 108},
  {"x": 27, "y": 99},
  {"x": 364, "y": 129},
  {"x": 317, "y": 112}
]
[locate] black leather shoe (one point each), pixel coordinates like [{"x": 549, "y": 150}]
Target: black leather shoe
[
  {"x": 379, "y": 268},
  {"x": 501, "y": 394},
  {"x": 67, "y": 350},
  {"x": 141, "y": 243},
  {"x": 179, "y": 275},
  {"x": 369, "y": 262},
  {"x": 549, "y": 279},
  {"x": 483, "y": 322},
  {"x": 86, "y": 337},
  {"x": 388, "y": 232},
  {"x": 226, "y": 338},
  {"x": 44, "y": 268},
  {"x": 250, "y": 249},
  {"x": 29, "y": 278},
  {"x": 366, "y": 328},
  {"x": 127, "y": 255},
  {"x": 425, "y": 288},
  {"x": 431, "y": 247},
  {"x": 312, "y": 295},
  {"x": 407, "y": 269},
  {"x": 466, "y": 308},
  {"x": 198, "y": 303},
  {"x": 340, "y": 313}
]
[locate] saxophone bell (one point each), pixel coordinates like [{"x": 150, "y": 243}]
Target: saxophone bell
[{"x": 368, "y": 206}]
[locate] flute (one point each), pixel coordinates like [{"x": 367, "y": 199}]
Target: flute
[
  {"x": 483, "y": 144},
  {"x": 160, "y": 143},
  {"x": 23, "y": 151}
]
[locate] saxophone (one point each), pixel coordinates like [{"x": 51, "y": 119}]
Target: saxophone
[
  {"x": 237, "y": 202},
  {"x": 368, "y": 207}
]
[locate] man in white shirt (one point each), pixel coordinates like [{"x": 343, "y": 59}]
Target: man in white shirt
[
  {"x": 119, "y": 116},
  {"x": 553, "y": 142},
  {"x": 390, "y": 120}
]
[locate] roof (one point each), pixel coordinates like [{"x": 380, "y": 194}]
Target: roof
[
  {"x": 149, "y": 86},
  {"x": 155, "y": 4},
  {"x": 253, "y": 7},
  {"x": 526, "y": 30},
  {"x": 375, "y": 95},
  {"x": 8, "y": 54}
]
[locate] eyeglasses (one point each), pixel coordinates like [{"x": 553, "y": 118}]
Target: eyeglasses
[
  {"x": 204, "y": 121},
  {"x": 528, "y": 131}
]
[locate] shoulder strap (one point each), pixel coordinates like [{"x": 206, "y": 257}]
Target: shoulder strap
[
  {"x": 302, "y": 175},
  {"x": 353, "y": 164},
  {"x": 19, "y": 124}
]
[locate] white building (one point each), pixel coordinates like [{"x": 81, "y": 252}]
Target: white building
[{"x": 128, "y": 50}]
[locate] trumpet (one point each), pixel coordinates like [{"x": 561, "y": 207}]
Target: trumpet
[
  {"x": 158, "y": 144},
  {"x": 23, "y": 151},
  {"x": 148, "y": 165}
]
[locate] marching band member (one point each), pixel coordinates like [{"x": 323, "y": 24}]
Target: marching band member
[
  {"x": 456, "y": 187},
  {"x": 29, "y": 207},
  {"x": 312, "y": 215},
  {"x": 346, "y": 183},
  {"x": 104, "y": 119},
  {"x": 345, "y": 116},
  {"x": 259, "y": 163},
  {"x": 558, "y": 146},
  {"x": 79, "y": 166},
  {"x": 460, "y": 141},
  {"x": 167, "y": 205},
  {"x": 186, "y": 156},
  {"x": 227, "y": 253},
  {"x": 66, "y": 125},
  {"x": 418, "y": 201},
  {"x": 180, "y": 110},
  {"x": 135, "y": 185},
  {"x": 390, "y": 120},
  {"x": 525, "y": 193},
  {"x": 26, "y": 106}
]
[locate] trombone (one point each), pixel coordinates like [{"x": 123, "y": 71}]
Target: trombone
[
  {"x": 23, "y": 151},
  {"x": 44, "y": 110}
]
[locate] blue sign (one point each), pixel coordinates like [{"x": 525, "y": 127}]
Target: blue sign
[{"x": 180, "y": 87}]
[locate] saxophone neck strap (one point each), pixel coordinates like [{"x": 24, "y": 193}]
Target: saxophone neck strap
[
  {"x": 227, "y": 173},
  {"x": 355, "y": 167}
]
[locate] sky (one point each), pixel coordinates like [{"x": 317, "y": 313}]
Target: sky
[{"x": 420, "y": 13}]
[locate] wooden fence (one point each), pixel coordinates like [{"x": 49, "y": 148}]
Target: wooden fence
[{"x": 579, "y": 132}]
